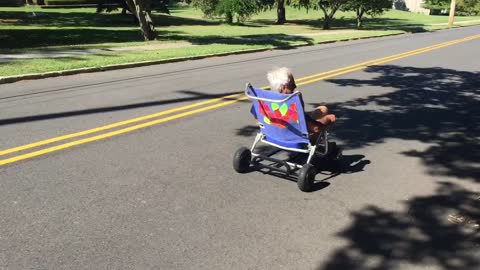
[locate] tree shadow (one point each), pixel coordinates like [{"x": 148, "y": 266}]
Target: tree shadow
[
  {"x": 436, "y": 106},
  {"x": 434, "y": 230},
  {"x": 169, "y": 20},
  {"x": 277, "y": 40},
  {"x": 432, "y": 105},
  {"x": 67, "y": 19},
  {"x": 377, "y": 23},
  {"x": 192, "y": 96},
  {"x": 13, "y": 39},
  {"x": 82, "y": 28},
  {"x": 32, "y": 38}
]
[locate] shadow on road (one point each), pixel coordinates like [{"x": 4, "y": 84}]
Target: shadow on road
[
  {"x": 436, "y": 106},
  {"x": 435, "y": 230},
  {"x": 327, "y": 169},
  {"x": 432, "y": 105},
  {"x": 193, "y": 96}
]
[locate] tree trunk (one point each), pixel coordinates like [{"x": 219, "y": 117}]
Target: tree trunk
[
  {"x": 326, "y": 23},
  {"x": 326, "y": 19},
  {"x": 144, "y": 19},
  {"x": 229, "y": 17},
  {"x": 359, "y": 22},
  {"x": 125, "y": 8},
  {"x": 360, "y": 13},
  {"x": 99, "y": 7},
  {"x": 281, "y": 19}
]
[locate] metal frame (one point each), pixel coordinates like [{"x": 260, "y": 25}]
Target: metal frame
[{"x": 322, "y": 140}]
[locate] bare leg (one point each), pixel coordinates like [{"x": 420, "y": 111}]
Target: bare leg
[
  {"x": 323, "y": 119},
  {"x": 328, "y": 120},
  {"x": 319, "y": 112}
]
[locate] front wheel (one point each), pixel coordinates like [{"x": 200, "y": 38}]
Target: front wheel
[
  {"x": 306, "y": 178},
  {"x": 241, "y": 160}
]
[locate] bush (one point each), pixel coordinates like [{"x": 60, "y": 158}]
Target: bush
[{"x": 241, "y": 9}]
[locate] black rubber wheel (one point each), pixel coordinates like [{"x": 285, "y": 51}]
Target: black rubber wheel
[
  {"x": 334, "y": 152},
  {"x": 332, "y": 147},
  {"x": 241, "y": 160},
  {"x": 306, "y": 178},
  {"x": 337, "y": 155}
]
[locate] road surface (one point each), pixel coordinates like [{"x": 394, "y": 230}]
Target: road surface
[{"x": 132, "y": 169}]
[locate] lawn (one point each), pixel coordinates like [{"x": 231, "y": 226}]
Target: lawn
[{"x": 31, "y": 29}]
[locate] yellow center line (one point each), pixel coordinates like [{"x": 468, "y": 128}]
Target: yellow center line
[
  {"x": 317, "y": 77},
  {"x": 366, "y": 63},
  {"x": 146, "y": 117},
  {"x": 376, "y": 62},
  {"x": 114, "y": 133},
  {"x": 360, "y": 67},
  {"x": 114, "y": 125}
]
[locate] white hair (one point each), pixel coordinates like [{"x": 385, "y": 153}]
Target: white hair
[{"x": 278, "y": 78}]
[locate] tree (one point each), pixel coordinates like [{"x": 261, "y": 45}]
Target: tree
[
  {"x": 141, "y": 11},
  {"x": 206, "y": 6},
  {"x": 368, "y": 7},
  {"x": 101, "y": 7},
  {"x": 328, "y": 7},
  {"x": 469, "y": 7},
  {"x": 279, "y": 5},
  {"x": 241, "y": 9},
  {"x": 142, "y": 14},
  {"x": 437, "y": 4},
  {"x": 281, "y": 18}
]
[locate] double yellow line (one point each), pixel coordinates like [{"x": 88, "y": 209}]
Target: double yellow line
[{"x": 180, "y": 112}]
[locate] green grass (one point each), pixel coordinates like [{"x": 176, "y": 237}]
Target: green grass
[
  {"x": 108, "y": 58},
  {"x": 31, "y": 28}
]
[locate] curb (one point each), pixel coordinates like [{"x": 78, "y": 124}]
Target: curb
[{"x": 35, "y": 76}]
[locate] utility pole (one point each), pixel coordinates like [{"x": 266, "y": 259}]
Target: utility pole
[{"x": 452, "y": 13}]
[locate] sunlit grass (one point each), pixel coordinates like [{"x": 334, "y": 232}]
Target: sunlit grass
[{"x": 28, "y": 29}]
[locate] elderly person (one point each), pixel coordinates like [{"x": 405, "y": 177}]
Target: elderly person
[{"x": 282, "y": 81}]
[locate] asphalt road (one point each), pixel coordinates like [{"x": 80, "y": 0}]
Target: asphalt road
[{"x": 165, "y": 196}]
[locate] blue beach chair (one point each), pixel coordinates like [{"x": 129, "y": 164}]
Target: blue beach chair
[{"x": 283, "y": 125}]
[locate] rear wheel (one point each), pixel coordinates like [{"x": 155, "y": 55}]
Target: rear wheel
[
  {"x": 335, "y": 159},
  {"x": 337, "y": 154},
  {"x": 334, "y": 152},
  {"x": 241, "y": 160}
]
